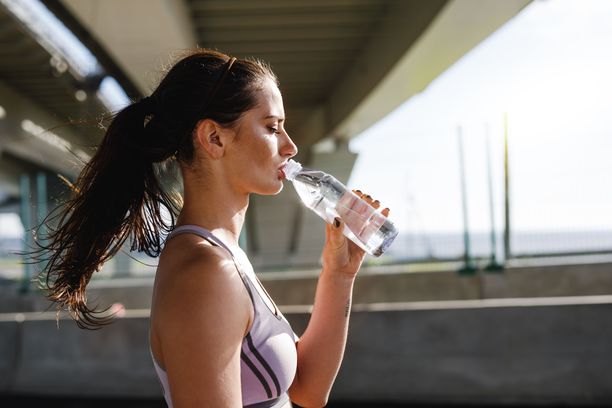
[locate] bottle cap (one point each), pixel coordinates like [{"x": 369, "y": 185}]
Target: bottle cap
[{"x": 291, "y": 169}]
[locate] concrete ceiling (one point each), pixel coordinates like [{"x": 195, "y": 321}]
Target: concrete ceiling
[
  {"x": 35, "y": 95},
  {"x": 342, "y": 64},
  {"x": 332, "y": 56}
]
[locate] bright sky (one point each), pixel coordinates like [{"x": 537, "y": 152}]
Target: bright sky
[{"x": 550, "y": 70}]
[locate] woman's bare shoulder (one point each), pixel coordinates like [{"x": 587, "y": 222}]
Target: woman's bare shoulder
[
  {"x": 198, "y": 277},
  {"x": 186, "y": 253}
]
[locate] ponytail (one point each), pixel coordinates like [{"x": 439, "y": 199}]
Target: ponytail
[{"x": 116, "y": 197}]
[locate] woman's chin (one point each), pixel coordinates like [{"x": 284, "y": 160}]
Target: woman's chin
[
  {"x": 272, "y": 189},
  {"x": 278, "y": 188}
]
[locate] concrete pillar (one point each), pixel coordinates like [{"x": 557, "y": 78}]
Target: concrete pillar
[
  {"x": 274, "y": 223},
  {"x": 42, "y": 210},
  {"x": 269, "y": 228},
  {"x": 34, "y": 209},
  {"x": 26, "y": 220},
  {"x": 282, "y": 231},
  {"x": 311, "y": 229}
]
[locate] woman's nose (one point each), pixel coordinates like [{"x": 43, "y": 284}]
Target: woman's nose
[{"x": 289, "y": 148}]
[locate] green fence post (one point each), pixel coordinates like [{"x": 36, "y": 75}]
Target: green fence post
[
  {"x": 468, "y": 266},
  {"x": 493, "y": 265},
  {"x": 507, "y": 248}
]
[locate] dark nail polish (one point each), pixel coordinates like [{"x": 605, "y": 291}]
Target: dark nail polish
[{"x": 336, "y": 222}]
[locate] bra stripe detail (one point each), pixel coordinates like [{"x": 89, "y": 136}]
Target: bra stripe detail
[
  {"x": 264, "y": 363},
  {"x": 257, "y": 373}
]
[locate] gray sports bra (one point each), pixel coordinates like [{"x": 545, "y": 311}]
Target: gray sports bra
[{"x": 268, "y": 359}]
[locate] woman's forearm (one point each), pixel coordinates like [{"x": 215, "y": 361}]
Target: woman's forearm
[{"x": 321, "y": 347}]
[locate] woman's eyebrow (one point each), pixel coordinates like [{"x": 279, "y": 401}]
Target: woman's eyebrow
[{"x": 275, "y": 117}]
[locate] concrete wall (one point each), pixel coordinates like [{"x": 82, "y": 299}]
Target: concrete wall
[
  {"x": 541, "y": 354},
  {"x": 557, "y": 354},
  {"x": 405, "y": 284},
  {"x": 40, "y": 358},
  {"x": 400, "y": 283},
  {"x": 531, "y": 335}
]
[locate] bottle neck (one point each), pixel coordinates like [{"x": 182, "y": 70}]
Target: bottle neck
[
  {"x": 310, "y": 177},
  {"x": 292, "y": 169}
]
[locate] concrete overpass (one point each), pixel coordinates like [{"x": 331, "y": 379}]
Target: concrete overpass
[
  {"x": 530, "y": 335},
  {"x": 342, "y": 64}
]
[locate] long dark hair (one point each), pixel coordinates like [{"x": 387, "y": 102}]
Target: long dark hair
[{"x": 118, "y": 196}]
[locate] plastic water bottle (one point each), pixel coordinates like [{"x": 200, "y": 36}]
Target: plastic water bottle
[{"x": 329, "y": 198}]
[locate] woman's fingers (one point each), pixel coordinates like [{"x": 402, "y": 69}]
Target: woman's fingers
[
  {"x": 366, "y": 197},
  {"x": 374, "y": 203},
  {"x": 362, "y": 215}
]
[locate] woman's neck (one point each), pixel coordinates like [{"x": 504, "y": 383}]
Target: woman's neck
[{"x": 215, "y": 208}]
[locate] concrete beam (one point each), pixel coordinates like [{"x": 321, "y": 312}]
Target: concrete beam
[
  {"x": 380, "y": 54},
  {"x": 43, "y": 153},
  {"x": 138, "y": 34},
  {"x": 365, "y": 96}
]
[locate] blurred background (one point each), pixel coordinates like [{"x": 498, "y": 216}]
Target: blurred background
[{"x": 484, "y": 125}]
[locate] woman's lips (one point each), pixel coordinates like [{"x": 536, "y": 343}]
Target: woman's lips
[{"x": 281, "y": 171}]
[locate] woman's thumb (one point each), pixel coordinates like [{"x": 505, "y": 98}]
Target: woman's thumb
[{"x": 336, "y": 237}]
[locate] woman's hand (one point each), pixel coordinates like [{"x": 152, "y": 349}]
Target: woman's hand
[
  {"x": 340, "y": 254},
  {"x": 321, "y": 347}
]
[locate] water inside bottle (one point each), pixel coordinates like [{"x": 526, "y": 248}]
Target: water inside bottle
[{"x": 363, "y": 224}]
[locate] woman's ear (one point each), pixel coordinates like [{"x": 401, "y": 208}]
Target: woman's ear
[{"x": 209, "y": 136}]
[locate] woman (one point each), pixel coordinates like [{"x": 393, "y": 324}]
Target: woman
[{"x": 216, "y": 339}]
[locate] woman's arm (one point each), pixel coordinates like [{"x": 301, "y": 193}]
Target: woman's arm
[
  {"x": 321, "y": 347},
  {"x": 203, "y": 312}
]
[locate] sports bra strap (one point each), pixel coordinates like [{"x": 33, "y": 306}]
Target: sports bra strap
[
  {"x": 207, "y": 235},
  {"x": 203, "y": 232}
]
